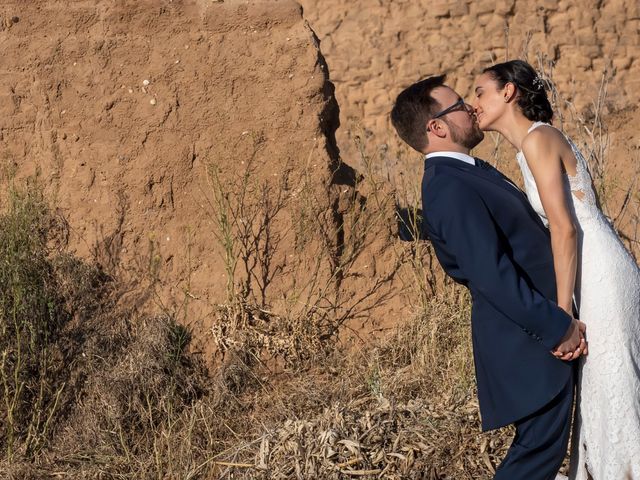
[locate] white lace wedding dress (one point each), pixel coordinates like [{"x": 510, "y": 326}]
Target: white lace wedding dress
[{"x": 606, "y": 439}]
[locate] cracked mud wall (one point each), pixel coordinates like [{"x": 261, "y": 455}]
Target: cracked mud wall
[{"x": 130, "y": 111}]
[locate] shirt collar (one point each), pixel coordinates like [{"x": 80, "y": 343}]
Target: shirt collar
[{"x": 457, "y": 155}]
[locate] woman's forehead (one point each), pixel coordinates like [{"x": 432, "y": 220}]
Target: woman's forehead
[{"x": 483, "y": 79}]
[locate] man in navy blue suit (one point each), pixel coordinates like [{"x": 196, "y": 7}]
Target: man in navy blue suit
[{"x": 489, "y": 239}]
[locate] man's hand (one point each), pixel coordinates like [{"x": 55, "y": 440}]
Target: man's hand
[{"x": 573, "y": 344}]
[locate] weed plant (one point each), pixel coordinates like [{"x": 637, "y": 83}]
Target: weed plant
[{"x": 31, "y": 315}]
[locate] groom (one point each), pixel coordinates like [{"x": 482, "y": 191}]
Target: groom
[{"x": 488, "y": 238}]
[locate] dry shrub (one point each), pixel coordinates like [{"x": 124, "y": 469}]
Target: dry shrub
[
  {"x": 90, "y": 389},
  {"x": 252, "y": 219},
  {"x": 240, "y": 326},
  {"x": 31, "y": 316},
  {"x": 137, "y": 379}
]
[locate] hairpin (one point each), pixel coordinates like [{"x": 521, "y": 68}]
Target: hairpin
[{"x": 538, "y": 83}]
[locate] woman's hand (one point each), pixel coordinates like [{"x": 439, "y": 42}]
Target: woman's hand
[{"x": 574, "y": 342}]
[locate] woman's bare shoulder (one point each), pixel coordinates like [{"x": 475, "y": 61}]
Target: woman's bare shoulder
[{"x": 544, "y": 139}]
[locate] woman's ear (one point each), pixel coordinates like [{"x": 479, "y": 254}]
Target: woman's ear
[{"x": 509, "y": 92}]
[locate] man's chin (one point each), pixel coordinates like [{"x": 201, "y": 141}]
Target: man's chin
[
  {"x": 469, "y": 137},
  {"x": 473, "y": 140}
]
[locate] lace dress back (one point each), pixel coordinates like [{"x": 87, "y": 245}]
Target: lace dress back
[
  {"x": 606, "y": 440},
  {"x": 579, "y": 187}
]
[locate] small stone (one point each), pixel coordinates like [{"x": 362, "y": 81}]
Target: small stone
[
  {"x": 15, "y": 19},
  {"x": 145, "y": 82},
  {"x": 75, "y": 63},
  {"x": 64, "y": 136},
  {"x": 288, "y": 39},
  {"x": 177, "y": 61},
  {"x": 291, "y": 75},
  {"x": 131, "y": 90},
  {"x": 63, "y": 112},
  {"x": 153, "y": 101}
]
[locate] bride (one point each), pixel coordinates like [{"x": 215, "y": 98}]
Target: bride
[{"x": 591, "y": 265}]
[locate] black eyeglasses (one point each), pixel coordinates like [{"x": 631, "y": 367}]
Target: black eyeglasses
[{"x": 459, "y": 105}]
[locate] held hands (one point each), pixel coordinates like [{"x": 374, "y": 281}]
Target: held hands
[{"x": 573, "y": 344}]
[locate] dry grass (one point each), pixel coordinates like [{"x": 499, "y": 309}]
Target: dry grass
[{"x": 401, "y": 409}]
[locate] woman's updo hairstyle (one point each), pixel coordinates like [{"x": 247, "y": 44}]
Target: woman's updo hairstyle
[{"x": 532, "y": 97}]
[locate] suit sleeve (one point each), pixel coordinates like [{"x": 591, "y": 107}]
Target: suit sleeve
[{"x": 463, "y": 221}]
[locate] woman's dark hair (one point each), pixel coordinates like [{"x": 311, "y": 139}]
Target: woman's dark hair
[{"x": 532, "y": 97}]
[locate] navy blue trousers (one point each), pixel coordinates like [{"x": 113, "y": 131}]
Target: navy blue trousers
[{"x": 540, "y": 444}]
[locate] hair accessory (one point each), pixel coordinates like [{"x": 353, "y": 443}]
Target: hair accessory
[{"x": 538, "y": 83}]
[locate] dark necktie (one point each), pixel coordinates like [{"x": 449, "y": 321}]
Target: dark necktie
[{"x": 493, "y": 171}]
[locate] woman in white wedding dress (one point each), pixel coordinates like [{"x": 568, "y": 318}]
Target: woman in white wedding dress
[{"x": 591, "y": 264}]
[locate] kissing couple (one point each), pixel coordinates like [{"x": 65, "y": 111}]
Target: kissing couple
[{"x": 545, "y": 270}]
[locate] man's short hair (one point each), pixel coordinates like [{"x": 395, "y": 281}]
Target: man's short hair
[{"x": 414, "y": 107}]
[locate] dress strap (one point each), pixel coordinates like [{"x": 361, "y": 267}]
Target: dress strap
[{"x": 536, "y": 125}]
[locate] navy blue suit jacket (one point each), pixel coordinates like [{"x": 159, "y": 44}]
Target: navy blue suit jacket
[{"x": 488, "y": 238}]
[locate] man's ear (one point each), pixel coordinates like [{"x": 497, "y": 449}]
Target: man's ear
[{"x": 436, "y": 127}]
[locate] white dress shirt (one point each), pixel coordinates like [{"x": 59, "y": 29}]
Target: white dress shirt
[{"x": 460, "y": 156}]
